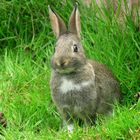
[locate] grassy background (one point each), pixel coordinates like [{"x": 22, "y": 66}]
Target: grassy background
[{"x": 26, "y": 46}]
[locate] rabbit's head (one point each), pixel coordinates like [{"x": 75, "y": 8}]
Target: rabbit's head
[{"x": 69, "y": 55}]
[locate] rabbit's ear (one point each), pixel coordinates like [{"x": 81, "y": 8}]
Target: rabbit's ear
[
  {"x": 57, "y": 23},
  {"x": 74, "y": 22}
]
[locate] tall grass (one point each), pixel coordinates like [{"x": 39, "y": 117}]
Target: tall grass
[{"x": 26, "y": 46}]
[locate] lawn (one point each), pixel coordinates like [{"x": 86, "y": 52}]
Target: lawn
[{"x": 26, "y": 45}]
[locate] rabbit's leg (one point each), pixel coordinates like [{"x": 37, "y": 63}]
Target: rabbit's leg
[
  {"x": 70, "y": 127},
  {"x": 68, "y": 122}
]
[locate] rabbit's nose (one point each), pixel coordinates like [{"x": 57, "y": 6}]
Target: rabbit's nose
[{"x": 62, "y": 63}]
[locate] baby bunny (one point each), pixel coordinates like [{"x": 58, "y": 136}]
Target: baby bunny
[{"x": 81, "y": 88}]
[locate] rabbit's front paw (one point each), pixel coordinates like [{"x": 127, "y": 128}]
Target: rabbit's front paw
[{"x": 70, "y": 128}]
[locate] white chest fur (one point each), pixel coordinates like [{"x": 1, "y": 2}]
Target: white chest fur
[{"x": 69, "y": 85}]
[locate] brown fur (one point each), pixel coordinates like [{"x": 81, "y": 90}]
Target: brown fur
[{"x": 81, "y": 88}]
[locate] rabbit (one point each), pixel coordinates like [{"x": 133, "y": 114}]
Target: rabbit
[{"x": 80, "y": 88}]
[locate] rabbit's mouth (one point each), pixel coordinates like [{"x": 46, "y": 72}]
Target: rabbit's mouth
[{"x": 65, "y": 71}]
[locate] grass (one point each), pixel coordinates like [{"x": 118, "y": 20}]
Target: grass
[{"x": 26, "y": 46}]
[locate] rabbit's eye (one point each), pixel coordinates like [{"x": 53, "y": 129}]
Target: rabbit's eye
[{"x": 75, "y": 48}]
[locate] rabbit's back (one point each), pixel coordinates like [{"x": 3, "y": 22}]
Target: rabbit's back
[{"x": 107, "y": 87}]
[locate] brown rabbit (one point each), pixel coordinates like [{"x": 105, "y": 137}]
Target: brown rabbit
[{"x": 81, "y": 88}]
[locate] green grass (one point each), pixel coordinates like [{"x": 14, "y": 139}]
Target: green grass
[{"x": 26, "y": 46}]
